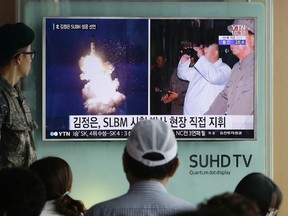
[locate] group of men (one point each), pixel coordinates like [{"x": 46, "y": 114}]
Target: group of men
[{"x": 215, "y": 89}]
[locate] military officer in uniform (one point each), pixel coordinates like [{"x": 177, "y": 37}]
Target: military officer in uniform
[
  {"x": 17, "y": 145},
  {"x": 237, "y": 98}
]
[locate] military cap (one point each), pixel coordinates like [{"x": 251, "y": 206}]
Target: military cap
[{"x": 14, "y": 37}]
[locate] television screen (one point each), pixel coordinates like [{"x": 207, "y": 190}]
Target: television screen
[{"x": 103, "y": 75}]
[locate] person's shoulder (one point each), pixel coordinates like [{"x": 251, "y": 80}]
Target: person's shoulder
[
  {"x": 181, "y": 203},
  {"x": 99, "y": 208}
]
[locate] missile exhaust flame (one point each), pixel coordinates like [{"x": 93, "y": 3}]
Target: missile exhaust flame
[{"x": 100, "y": 93}]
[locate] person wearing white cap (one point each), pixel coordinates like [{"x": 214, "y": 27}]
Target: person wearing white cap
[
  {"x": 149, "y": 160},
  {"x": 237, "y": 98}
]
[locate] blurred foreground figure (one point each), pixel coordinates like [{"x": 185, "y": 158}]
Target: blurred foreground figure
[
  {"x": 226, "y": 204},
  {"x": 263, "y": 191},
  {"x": 22, "y": 193}
]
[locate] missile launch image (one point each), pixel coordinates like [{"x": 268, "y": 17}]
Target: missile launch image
[
  {"x": 102, "y": 70},
  {"x": 100, "y": 92}
]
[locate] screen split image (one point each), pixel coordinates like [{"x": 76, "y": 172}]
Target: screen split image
[{"x": 195, "y": 74}]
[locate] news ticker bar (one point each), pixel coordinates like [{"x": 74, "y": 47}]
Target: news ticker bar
[{"x": 123, "y": 134}]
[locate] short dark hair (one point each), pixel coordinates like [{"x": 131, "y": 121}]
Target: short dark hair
[
  {"x": 225, "y": 204},
  {"x": 141, "y": 171},
  {"x": 22, "y": 193},
  {"x": 261, "y": 189},
  {"x": 229, "y": 204}
]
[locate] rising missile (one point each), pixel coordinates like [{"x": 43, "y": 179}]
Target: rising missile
[{"x": 92, "y": 46}]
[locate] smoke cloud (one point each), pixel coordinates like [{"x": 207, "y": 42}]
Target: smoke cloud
[{"x": 100, "y": 93}]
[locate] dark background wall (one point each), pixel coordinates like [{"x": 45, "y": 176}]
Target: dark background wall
[{"x": 7, "y": 11}]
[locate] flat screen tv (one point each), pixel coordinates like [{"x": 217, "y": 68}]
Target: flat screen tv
[{"x": 103, "y": 75}]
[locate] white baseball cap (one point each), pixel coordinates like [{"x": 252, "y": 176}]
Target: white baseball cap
[{"x": 152, "y": 136}]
